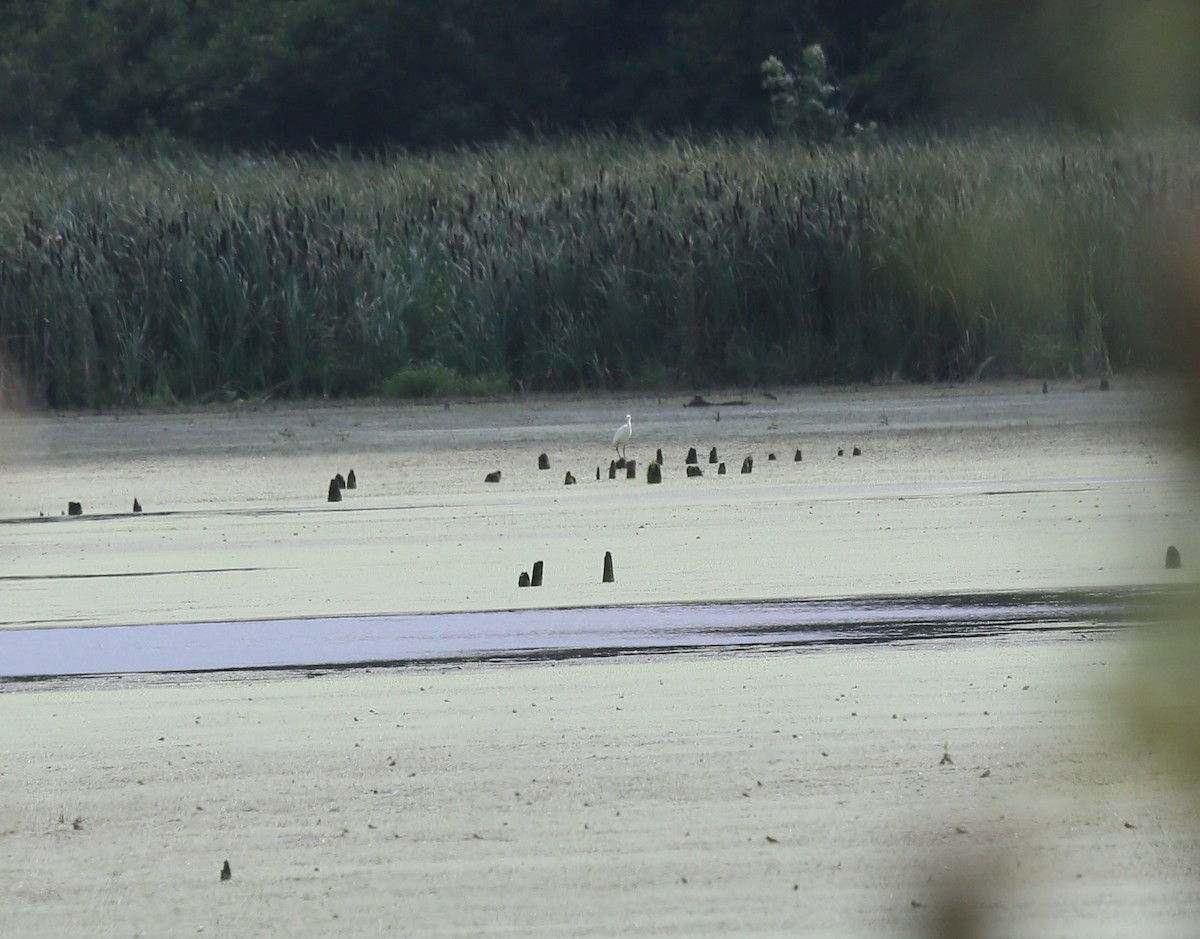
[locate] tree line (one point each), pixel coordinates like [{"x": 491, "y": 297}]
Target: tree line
[{"x": 292, "y": 74}]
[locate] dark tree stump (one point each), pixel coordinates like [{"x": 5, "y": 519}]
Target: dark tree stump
[
  {"x": 857, "y": 451},
  {"x": 770, "y": 456},
  {"x": 335, "y": 491},
  {"x": 536, "y": 579},
  {"x": 694, "y": 471},
  {"x": 492, "y": 477},
  {"x": 608, "y": 568},
  {"x": 654, "y": 473},
  {"x": 523, "y": 580},
  {"x": 1174, "y": 561},
  {"x": 748, "y": 465},
  {"x": 799, "y": 457},
  {"x": 631, "y": 469},
  {"x": 74, "y": 508},
  {"x": 841, "y": 452},
  {"x": 721, "y": 469},
  {"x": 712, "y": 455},
  {"x": 137, "y": 506},
  {"x": 612, "y": 469},
  {"x": 691, "y": 457},
  {"x": 351, "y": 480},
  {"x": 543, "y": 462},
  {"x": 340, "y": 480},
  {"x": 569, "y": 480},
  {"x": 658, "y": 457},
  {"x": 597, "y": 474},
  {"x": 226, "y": 871}
]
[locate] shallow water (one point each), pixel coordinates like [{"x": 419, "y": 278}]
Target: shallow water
[{"x": 339, "y": 642}]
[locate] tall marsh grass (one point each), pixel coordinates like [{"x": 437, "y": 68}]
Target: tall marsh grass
[{"x": 128, "y": 276}]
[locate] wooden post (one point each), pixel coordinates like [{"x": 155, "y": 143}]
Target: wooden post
[
  {"x": 335, "y": 491},
  {"x": 691, "y": 457},
  {"x": 608, "y": 568},
  {"x": 536, "y": 579}
]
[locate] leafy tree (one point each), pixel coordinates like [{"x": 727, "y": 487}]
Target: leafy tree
[{"x": 803, "y": 101}]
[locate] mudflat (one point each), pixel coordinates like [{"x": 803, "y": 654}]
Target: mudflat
[
  {"x": 984, "y": 487},
  {"x": 992, "y": 787}
]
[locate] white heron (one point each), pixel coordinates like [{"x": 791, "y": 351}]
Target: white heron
[{"x": 621, "y": 437}]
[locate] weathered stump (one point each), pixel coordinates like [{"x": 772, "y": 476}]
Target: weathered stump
[
  {"x": 712, "y": 455},
  {"x": 137, "y": 506},
  {"x": 351, "y": 480},
  {"x": 748, "y": 465},
  {"x": 720, "y": 469},
  {"x": 226, "y": 871},
  {"x": 335, "y": 491},
  {"x": 694, "y": 471},
  {"x": 340, "y": 480},
  {"x": 654, "y": 472},
  {"x": 608, "y": 568},
  {"x": 523, "y": 580},
  {"x": 543, "y": 462},
  {"x": 857, "y": 451},
  {"x": 770, "y": 456},
  {"x": 1174, "y": 561},
  {"x": 569, "y": 480},
  {"x": 658, "y": 457},
  {"x": 492, "y": 477},
  {"x": 631, "y": 469},
  {"x": 799, "y": 457},
  {"x": 612, "y": 469},
  {"x": 535, "y": 579},
  {"x": 691, "y": 457}
]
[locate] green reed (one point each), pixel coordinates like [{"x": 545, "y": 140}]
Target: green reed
[{"x": 129, "y": 276}]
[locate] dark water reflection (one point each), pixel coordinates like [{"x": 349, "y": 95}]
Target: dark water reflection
[{"x": 339, "y": 642}]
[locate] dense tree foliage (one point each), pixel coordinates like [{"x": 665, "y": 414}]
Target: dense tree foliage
[
  {"x": 291, "y": 73},
  {"x": 367, "y": 73}
]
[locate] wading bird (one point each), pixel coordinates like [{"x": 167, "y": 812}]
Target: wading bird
[{"x": 621, "y": 437}]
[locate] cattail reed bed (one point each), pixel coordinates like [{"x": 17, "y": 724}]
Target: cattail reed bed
[{"x": 130, "y": 276}]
